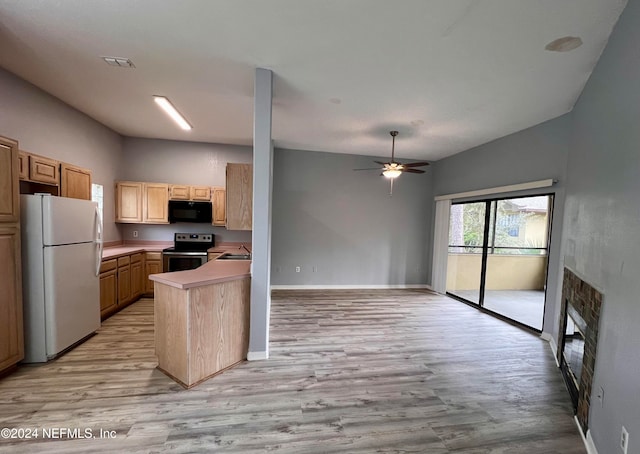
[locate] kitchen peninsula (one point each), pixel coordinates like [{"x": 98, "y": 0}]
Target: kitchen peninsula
[{"x": 201, "y": 319}]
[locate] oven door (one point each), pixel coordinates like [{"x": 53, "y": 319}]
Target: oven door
[{"x": 180, "y": 261}]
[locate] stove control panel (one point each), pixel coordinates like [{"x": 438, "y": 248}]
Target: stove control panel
[{"x": 193, "y": 238}]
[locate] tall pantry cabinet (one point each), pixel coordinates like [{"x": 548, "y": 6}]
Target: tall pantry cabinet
[{"x": 11, "y": 328}]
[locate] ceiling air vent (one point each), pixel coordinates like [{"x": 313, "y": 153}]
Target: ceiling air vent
[{"x": 119, "y": 61}]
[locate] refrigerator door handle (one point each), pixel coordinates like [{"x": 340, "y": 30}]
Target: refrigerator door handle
[{"x": 98, "y": 241}]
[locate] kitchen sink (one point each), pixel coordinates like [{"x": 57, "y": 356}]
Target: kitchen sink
[{"x": 234, "y": 257}]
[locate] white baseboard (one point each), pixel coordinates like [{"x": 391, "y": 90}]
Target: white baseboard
[
  {"x": 257, "y": 356},
  {"x": 349, "y": 287},
  {"x": 588, "y": 441},
  {"x": 591, "y": 446},
  {"x": 552, "y": 345}
]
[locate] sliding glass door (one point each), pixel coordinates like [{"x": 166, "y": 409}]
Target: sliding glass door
[
  {"x": 466, "y": 244},
  {"x": 498, "y": 252}
]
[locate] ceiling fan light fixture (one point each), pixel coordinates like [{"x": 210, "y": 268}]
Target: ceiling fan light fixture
[
  {"x": 392, "y": 173},
  {"x": 170, "y": 110}
]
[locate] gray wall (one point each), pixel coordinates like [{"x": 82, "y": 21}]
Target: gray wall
[
  {"x": 170, "y": 161},
  {"x": 602, "y": 228},
  {"x": 533, "y": 154},
  {"x": 345, "y": 224},
  {"x": 46, "y": 126}
]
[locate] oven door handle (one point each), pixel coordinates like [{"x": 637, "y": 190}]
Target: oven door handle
[{"x": 185, "y": 253}]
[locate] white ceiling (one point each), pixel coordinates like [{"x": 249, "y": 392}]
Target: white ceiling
[{"x": 448, "y": 74}]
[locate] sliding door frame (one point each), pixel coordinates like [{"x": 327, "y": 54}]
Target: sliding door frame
[{"x": 485, "y": 255}]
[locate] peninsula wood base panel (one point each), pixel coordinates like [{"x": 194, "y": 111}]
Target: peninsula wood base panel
[{"x": 201, "y": 331}]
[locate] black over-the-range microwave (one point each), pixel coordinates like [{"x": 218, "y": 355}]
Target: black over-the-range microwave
[{"x": 184, "y": 211}]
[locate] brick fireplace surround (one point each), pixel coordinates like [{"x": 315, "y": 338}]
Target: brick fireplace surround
[{"x": 587, "y": 301}]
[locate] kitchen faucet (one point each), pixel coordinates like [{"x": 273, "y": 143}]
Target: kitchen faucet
[{"x": 242, "y": 246}]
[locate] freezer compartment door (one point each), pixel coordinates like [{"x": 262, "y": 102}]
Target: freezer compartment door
[
  {"x": 68, "y": 221},
  {"x": 72, "y": 296}
]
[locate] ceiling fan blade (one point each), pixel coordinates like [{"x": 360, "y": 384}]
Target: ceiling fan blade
[
  {"x": 413, "y": 170},
  {"x": 415, "y": 164},
  {"x": 381, "y": 163},
  {"x": 372, "y": 168}
]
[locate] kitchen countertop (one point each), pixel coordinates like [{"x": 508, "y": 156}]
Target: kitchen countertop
[
  {"x": 157, "y": 246},
  {"x": 132, "y": 248},
  {"x": 213, "y": 272}
]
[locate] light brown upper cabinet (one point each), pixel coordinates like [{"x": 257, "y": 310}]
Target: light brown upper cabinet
[
  {"x": 128, "y": 201},
  {"x": 9, "y": 191},
  {"x": 142, "y": 203},
  {"x": 218, "y": 200},
  {"x": 179, "y": 192},
  {"x": 200, "y": 193},
  {"x": 184, "y": 192},
  {"x": 75, "y": 182},
  {"x": 155, "y": 203},
  {"x": 23, "y": 165},
  {"x": 43, "y": 170},
  {"x": 239, "y": 204}
]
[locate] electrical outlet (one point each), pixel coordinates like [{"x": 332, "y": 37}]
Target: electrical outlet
[
  {"x": 135, "y": 234},
  {"x": 297, "y": 269},
  {"x": 624, "y": 440},
  {"x": 278, "y": 269},
  {"x": 315, "y": 269}
]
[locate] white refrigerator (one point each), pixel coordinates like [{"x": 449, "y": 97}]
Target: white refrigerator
[{"x": 61, "y": 254}]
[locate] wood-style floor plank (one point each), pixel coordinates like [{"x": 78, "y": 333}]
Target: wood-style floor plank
[{"x": 349, "y": 371}]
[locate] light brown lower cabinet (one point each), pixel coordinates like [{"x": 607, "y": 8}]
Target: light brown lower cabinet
[
  {"x": 125, "y": 279},
  {"x": 152, "y": 265},
  {"x": 11, "y": 328},
  {"x": 137, "y": 277},
  {"x": 108, "y": 288}
]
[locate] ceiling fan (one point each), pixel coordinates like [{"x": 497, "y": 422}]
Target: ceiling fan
[{"x": 393, "y": 169}]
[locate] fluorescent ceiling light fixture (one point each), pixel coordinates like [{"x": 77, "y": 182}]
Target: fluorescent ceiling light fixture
[{"x": 172, "y": 112}]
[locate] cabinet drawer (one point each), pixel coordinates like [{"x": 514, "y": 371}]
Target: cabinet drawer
[
  {"x": 136, "y": 257},
  {"x": 178, "y": 192},
  {"x": 153, "y": 255},
  {"x": 108, "y": 265},
  {"x": 124, "y": 261},
  {"x": 201, "y": 193},
  {"x": 43, "y": 170}
]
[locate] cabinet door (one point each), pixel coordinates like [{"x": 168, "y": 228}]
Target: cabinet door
[
  {"x": 156, "y": 203},
  {"x": 11, "y": 328},
  {"x": 124, "y": 284},
  {"x": 151, "y": 267},
  {"x": 137, "y": 278},
  {"x": 201, "y": 193},
  {"x": 219, "y": 201},
  {"x": 23, "y": 165},
  {"x": 9, "y": 189},
  {"x": 239, "y": 196},
  {"x": 75, "y": 182},
  {"x": 128, "y": 201},
  {"x": 179, "y": 192},
  {"x": 108, "y": 292},
  {"x": 43, "y": 170}
]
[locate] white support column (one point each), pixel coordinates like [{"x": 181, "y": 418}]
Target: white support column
[{"x": 261, "y": 235}]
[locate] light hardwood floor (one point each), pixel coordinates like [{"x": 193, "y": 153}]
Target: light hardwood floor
[{"x": 350, "y": 371}]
